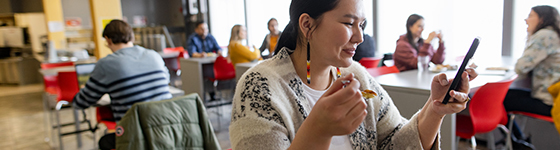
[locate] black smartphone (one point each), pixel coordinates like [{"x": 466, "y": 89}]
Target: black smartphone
[{"x": 457, "y": 78}]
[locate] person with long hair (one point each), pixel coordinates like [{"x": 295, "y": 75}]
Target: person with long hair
[
  {"x": 539, "y": 63},
  {"x": 411, "y": 45},
  {"x": 239, "y": 53},
  {"x": 271, "y": 39},
  {"x": 308, "y": 95}
]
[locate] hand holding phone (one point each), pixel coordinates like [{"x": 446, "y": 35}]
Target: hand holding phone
[{"x": 460, "y": 71}]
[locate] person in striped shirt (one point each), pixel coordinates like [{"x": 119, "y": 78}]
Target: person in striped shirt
[{"x": 131, "y": 74}]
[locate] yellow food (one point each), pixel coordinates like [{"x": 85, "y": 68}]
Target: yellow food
[{"x": 368, "y": 94}]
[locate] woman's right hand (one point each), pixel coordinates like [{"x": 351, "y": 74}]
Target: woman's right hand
[{"x": 340, "y": 110}]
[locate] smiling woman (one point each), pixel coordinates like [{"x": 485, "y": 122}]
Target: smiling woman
[{"x": 308, "y": 96}]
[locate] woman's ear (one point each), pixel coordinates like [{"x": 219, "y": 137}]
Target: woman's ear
[{"x": 305, "y": 24}]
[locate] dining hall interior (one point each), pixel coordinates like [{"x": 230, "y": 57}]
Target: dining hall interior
[{"x": 50, "y": 52}]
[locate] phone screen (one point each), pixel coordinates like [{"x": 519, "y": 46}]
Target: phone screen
[{"x": 457, "y": 78}]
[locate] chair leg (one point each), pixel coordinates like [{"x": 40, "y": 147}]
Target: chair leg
[
  {"x": 77, "y": 124},
  {"x": 491, "y": 144},
  {"x": 510, "y": 127},
  {"x": 473, "y": 143},
  {"x": 61, "y": 147},
  {"x": 46, "y": 115},
  {"x": 457, "y": 139}
]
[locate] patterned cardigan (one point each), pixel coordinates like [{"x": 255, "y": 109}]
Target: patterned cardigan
[
  {"x": 269, "y": 107},
  {"x": 542, "y": 57}
]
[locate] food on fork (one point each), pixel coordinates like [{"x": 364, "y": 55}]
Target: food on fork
[{"x": 368, "y": 94}]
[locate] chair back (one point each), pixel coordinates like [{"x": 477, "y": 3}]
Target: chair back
[
  {"x": 50, "y": 81},
  {"x": 223, "y": 70},
  {"x": 104, "y": 115},
  {"x": 68, "y": 85},
  {"x": 486, "y": 107},
  {"x": 370, "y": 62},
  {"x": 382, "y": 70},
  {"x": 54, "y": 65}
]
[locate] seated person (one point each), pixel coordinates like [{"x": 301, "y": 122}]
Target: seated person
[
  {"x": 239, "y": 53},
  {"x": 411, "y": 45},
  {"x": 539, "y": 64},
  {"x": 202, "y": 42},
  {"x": 365, "y": 49},
  {"x": 271, "y": 39},
  {"x": 130, "y": 75}
]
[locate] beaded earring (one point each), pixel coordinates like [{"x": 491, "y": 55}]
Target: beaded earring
[{"x": 308, "y": 65}]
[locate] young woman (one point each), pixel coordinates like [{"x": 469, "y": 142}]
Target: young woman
[
  {"x": 539, "y": 62},
  {"x": 271, "y": 39},
  {"x": 308, "y": 96},
  {"x": 411, "y": 45},
  {"x": 239, "y": 53}
]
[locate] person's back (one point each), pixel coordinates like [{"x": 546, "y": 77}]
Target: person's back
[
  {"x": 132, "y": 75},
  {"x": 365, "y": 49}
]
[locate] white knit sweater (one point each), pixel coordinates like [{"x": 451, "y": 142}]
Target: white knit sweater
[{"x": 269, "y": 107}]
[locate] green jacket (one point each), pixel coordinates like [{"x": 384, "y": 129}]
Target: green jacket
[{"x": 178, "y": 123}]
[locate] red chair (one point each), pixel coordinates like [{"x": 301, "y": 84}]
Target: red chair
[
  {"x": 49, "y": 81},
  {"x": 224, "y": 78},
  {"x": 370, "y": 62},
  {"x": 104, "y": 115},
  {"x": 486, "y": 112},
  {"x": 382, "y": 70}
]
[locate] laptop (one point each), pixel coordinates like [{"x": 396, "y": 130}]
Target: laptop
[{"x": 83, "y": 72}]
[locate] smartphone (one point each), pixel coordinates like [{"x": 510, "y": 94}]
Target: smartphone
[{"x": 460, "y": 71}]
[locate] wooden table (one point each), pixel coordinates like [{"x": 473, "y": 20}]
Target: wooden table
[{"x": 411, "y": 89}]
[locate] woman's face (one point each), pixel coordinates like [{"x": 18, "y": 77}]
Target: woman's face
[
  {"x": 273, "y": 27},
  {"x": 532, "y": 21},
  {"x": 417, "y": 28},
  {"x": 338, "y": 33},
  {"x": 242, "y": 33}
]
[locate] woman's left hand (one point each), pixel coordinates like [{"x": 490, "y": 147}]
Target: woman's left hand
[{"x": 459, "y": 98}]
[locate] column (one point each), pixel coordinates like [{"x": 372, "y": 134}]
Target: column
[{"x": 102, "y": 12}]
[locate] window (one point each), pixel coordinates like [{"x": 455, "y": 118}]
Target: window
[
  {"x": 224, "y": 14},
  {"x": 459, "y": 21}
]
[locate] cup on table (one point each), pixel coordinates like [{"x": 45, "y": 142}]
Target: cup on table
[{"x": 423, "y": 63}]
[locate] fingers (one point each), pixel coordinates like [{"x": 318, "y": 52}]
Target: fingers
[
  {"x": 458, "y": 96},
  {"x": 472, "y": 73},
  {"x": 345, "y": 90},
  {"x": 464, "y": 85},
  {"x": 441, "y": 79},
  {"x": 338, "y": 84}
]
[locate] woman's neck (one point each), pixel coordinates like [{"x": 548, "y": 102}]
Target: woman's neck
[
  {"x": 320, "y": 74},
  {"x": 416, "y": 39}
]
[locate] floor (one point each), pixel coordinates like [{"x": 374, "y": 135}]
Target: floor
[{"x": 23, "y": 127}]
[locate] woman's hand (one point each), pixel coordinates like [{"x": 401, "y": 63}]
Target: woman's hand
[
  {"x": 458, "y": 100},
  {"x": 440, "y": 36},
  {"x": 432, "y": 35},
  {"x": 340, "y": 110}
]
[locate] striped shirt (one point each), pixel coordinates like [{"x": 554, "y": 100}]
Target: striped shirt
[{"x": 129, "y": 75}]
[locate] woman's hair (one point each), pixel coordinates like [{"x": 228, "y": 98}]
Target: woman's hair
[
  {"x": 271, "y": 19},
  {"x": 235, "y": 33},
  {"x": 412, "y": 19},
  {"x": 118, "y": 31},
  {"x": 315, "y": 8},
  {"x": 548, "y": 16}
]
